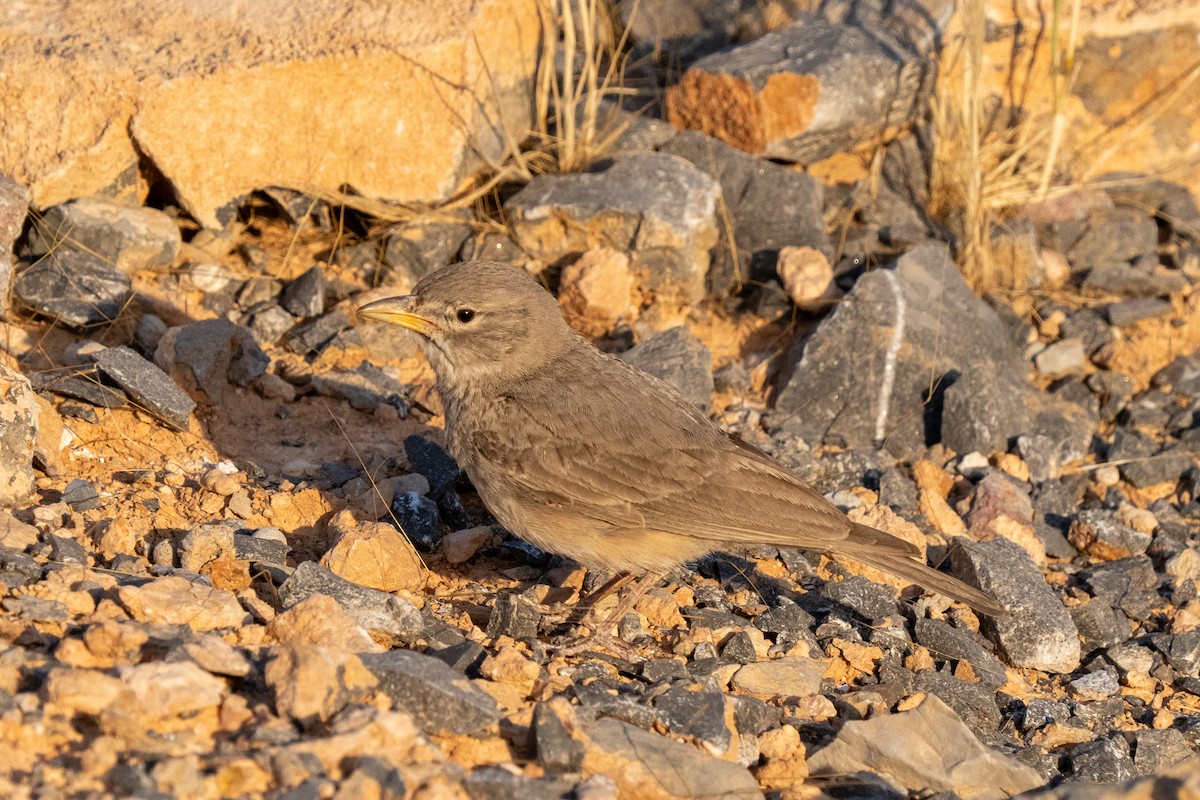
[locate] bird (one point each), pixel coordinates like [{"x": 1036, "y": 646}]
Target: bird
[{"x": 588, "y": 457}]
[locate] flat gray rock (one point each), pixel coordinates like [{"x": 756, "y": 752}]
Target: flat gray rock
[
  {"x": 440, "y": 699},
  {"x": 75, "y": 288},
  {"x": 147, "y": 385}
]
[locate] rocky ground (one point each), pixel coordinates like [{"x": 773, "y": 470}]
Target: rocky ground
[{"x": 237, "y": 562}]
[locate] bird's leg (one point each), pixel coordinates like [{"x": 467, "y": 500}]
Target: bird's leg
[
  {"x": 587, "y": 604},
  {"x": 600, "y": 636},
  {"x": 561, "y": 612}
]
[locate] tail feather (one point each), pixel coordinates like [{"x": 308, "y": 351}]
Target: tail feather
[{"x": 897, "y": 557}]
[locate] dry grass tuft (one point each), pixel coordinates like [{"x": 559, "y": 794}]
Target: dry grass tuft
[{"x": 994, "y": 156}]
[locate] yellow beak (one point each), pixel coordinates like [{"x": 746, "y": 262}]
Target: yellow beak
[{"x": 398, "y": 311}]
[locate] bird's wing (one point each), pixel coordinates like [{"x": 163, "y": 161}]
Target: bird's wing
[{"x": 668, "y": 469}]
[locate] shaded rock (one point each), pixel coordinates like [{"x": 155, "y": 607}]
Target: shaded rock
[
  {"x": 417, "y": 517},
  {"x": 1099, "y": 624},
  {"x": 647, "y": 765},
  {"x": 1181, "y": 376},
  {"x": 1088, "y": 326},
  {"x": 1037, "y": 632},
  {"x": 557, "y": 750},
  {"x": 414, "y": 249},
  {"x": 739, "y": 649},
  {"x": 18, "y": 569},
  {"x": 364, "y": 388},
  {"x": 678, "y": 33},
  {"x": 793, "y": 94},
  {"x": 304, "y": 296},
  {"x": 372, "y": 776},
  {"x": 85, "y": 385},
  {"x": 1119, "y": 234},
  {"x": 700, "y": 715},
  {"x": 1181, "y": 651},
  {"x": 74, "y": 288},
  {"x": 771, "y": 207},
  {"x": 1156, "y": 751},
  {"x": 257, "y": 291},
  {"x": 1122, "y": 279},
  {"x": 958, "y": 644},
  {"x": 497, "y": 783},
  {"x": 147, "y": 385},
  {"x": 381, "y": 614},
  {"x": 177, "y": 601},
  {"x": 207, "y": 356},
  {"x": 440, "y": 699},
  {"x": 1130, "y": 585},
  {"x": 867, "y": 599},
  {"x": 18, "y": 436},
  {"x": 652, "y": 202},
  {"x": 66, "y": 550},
  {"x": 130, "y": 239},
  {"x": 978, "y": 418},
  {"x": 1146, "y": 464},
  {"x": 928, "y": 748},
  {"x": 680, "y": 359},
  {"x": 36, "y": 609},
  {"x": 315, "y": 336},
  {"x": 514, "y": 616},
  {"x": 789, "y": 624},
  {"x": 430, "y": 459},
  {"x": 974, "y": 703}
]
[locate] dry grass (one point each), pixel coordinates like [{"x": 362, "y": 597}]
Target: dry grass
[{"x": 994, "y": 155}]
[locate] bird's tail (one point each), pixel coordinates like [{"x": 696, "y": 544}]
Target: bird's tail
[{"x": 897, "y": 557}]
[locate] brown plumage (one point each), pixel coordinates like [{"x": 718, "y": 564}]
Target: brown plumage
[{"x": 586, "y": 456}]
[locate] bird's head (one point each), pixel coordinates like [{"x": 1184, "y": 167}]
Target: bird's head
[{"x": 479, "y": 322}]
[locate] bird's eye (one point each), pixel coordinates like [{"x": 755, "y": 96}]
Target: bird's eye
[{"x": 465, "y": 315}]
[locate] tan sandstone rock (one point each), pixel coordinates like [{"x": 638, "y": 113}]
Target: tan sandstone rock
[{"x": 399, "y": 100}]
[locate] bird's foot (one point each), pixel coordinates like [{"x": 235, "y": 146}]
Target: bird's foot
[{"x": 575, "y": 645}]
